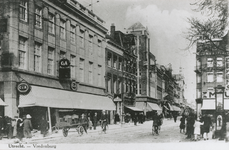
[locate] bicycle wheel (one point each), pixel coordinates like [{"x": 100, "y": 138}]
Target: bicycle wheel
[
  {"x": 80, "y": 130},
  {"x": 65, "y": 132}
]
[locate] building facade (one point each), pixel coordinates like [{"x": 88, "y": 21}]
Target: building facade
[
  {"x": 121, "y": 69},
  {"x": 146, "y": 74},
  {"x": 52, "y": 46},
  {"x": 212, "y": 74}
]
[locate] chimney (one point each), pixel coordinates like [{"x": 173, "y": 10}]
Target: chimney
[{"x": 112, "y": 30}]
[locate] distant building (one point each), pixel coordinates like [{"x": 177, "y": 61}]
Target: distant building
[{"x": 146, "y": 97}]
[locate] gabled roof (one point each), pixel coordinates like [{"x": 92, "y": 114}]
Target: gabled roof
[{"x": 137, "y": 26}]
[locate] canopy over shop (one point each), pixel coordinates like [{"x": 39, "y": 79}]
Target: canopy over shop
[
  {"x": 148, "y": 106},
  {"x": 2, "y": 103},
  {"x": 56, "y": 98}
]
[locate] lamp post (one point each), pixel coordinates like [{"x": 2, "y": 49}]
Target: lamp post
[{"x": 220, "y": 122}]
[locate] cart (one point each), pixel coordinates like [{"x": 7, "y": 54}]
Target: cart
[{"x": 79, "y": 128}]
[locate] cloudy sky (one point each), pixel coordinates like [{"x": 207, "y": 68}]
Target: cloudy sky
[{"x": 167, "y": 23}]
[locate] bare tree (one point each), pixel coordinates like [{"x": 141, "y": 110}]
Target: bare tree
[{"x": 216, "y": 12}]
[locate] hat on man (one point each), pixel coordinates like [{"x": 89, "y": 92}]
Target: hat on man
[{"x": 28, "y": 116}]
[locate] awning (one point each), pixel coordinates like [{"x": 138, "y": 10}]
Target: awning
[
  {"x": 140, "y": 105},
  {"x": 153, "y": 106},
  {"x": 175, "y": 108},
  {"x": 134, "y": 108},
  {"x": 56, "y": 98},
  {"x": 2, "y": 103}
]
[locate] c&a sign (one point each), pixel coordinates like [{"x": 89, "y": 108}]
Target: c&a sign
[
  {"x": 23, "y": 88},
  {"x": 64, "y": 68}
]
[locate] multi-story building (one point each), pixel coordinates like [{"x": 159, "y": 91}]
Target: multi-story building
[
  {"x": 121, "y": 69},
  {"x": 146, "y": 74},
  {"x": 52, "y": 56},
  {"x": 211, "y": 75}
]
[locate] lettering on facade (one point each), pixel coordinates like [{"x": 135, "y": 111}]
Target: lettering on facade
[
  {"x": 64, "y": 68},
  {"x": 73, "y": 85},
  {"x": 23, "y": 88}
]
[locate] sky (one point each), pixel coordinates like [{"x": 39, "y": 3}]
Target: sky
[{"x": 167, "y": 23}]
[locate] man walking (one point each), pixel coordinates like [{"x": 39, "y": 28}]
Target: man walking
[{"x": 95, "y": 120}]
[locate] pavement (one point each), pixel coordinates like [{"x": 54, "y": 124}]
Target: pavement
[{"x": 58, "y": 134}]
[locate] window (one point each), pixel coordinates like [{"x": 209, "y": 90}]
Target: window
[
  {"x": 38, "y": 17},
  {"x": 227, "y": 63},
  {"x": 115, "y": 84},
  {"x": 119, "y": 86},
  {"x": 62, "y": 54},
  {"x": 62, "y": 29},
  {"x": 50, "y": 68},
  {"x": 22, "y": 52},
  {"x": 23, "y": 10},
  {"x": 90, "y": 72},
  {"x": 219, "y": 62},
  {"x": 210, "y": 77},
  {"x": 37, "y": 57},
  {"x": 90, "y": 46},
  {"x": 82, "y": 38},
  {"x": 73, "y": 64},
  {"x": 72, "y": 36},
  {"x": 219, "y": 77},
  {"x": 210, "y": 62},
  {"x": 51, "y": 23},
  {"x": 109, "y": 84},
  {"x": 140, "y": 89},
  {"x": 114, "y": 61},
  {"x": 109, "y": 59},
  {"x": 99, "y": 48},
  {"x": 198, "y": 79},
  {"x": 120, "y": 64},
  {"x": 81, "y": 71},
  {"x": 99, "y": 75},
  {"x": 198, "y": 93}
]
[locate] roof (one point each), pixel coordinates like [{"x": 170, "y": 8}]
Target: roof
[{"x": 137, "y": 26}]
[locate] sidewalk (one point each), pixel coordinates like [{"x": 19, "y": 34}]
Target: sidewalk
[{"x": 37, "y": 136}]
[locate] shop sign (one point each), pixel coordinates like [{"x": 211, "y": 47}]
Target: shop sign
[
  {"x": 64, "y": 63},
  {"x": 73, "y": 85},
  {"x": 23, "y": 88}
]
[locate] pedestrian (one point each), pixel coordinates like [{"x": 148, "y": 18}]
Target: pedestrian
[
  {"x": 135, "y": 118},
  {"x": 1, "y": 127},
  {"x": 84, "y": 122},
  {"x": 9, "y": 129},
  {"x": 206, "y": 126},
  {"x": 14, "y": 127},
  {"x": 44, "y": 126},
  {"x": 182, "y": 124},
  {"x": 190, "y": 125},
  {"x": 89, "y": 123},
  {"x": 95, "y": 120},
  {"x": 197, "y": 125},
  {"x": 175, "y": 117},
  {"x": 104, "y": 121},
  {"x": 116, "y": 119},
  {"x": 27, "y": 128},
  {"x": 156, "y": 120},
  {"x": 20, "y": 134}
]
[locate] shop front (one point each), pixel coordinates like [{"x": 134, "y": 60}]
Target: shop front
[
  {"x": 2, "y": 105},
  {"x": 62, "y": 106}
]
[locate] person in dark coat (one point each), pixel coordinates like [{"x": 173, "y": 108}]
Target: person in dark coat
[
  {"x": 84, "y": 122},
  {"x": 190, "y": 126},
  {"x": 44, "y": 126},
  {"x": 135, "y": 118},
  {"x": 104, "y": 121},
  {"x": 182, "y": 124},
  {"x": 206, "y": 126},
  {"x": 156, "y": 122},
  {"x": 27, "y": 128},
  {"x": 9, "y": 128},
  {"x": 116, "y": 119},
  {"x": 20, "y": 134},
  {"x": 95, "y": 120},
  {"x": 1, "y": 127}
]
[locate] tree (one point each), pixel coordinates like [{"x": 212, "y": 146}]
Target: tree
[{"x": 213, "y": 26}]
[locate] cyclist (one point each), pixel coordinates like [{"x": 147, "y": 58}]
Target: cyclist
[{"x": 104, "y": 121}]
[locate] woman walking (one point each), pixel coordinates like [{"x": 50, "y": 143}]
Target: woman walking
[
  {"x": 27, "y": 127},
  {"x": 197, "y": 129},
  {"x": 182, "y": 124}
]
